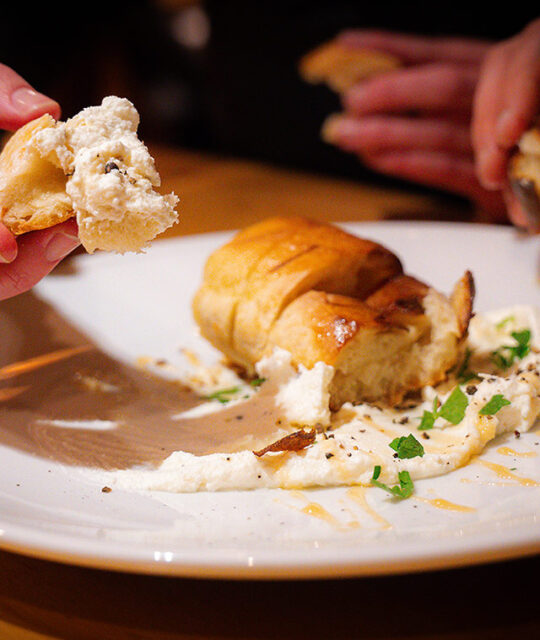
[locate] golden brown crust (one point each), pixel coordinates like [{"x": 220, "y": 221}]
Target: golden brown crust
[
  {"x": 249, "y": 282},
  {"x": 462, "y": 300},
  {"x": 341, "y": 66},
  {"x": 32, "y": 190}
]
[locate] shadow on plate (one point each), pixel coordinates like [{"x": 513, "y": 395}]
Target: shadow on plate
[{"x": 63, "y": 398}]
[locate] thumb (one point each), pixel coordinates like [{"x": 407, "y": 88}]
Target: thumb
[{"x": 19, "y": 102}]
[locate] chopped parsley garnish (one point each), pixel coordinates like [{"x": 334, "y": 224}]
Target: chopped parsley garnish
[
  {"x": 464, "y": 374},
  {"x": 504, "y": 356},
  {"x": 402, "y": 490},
  {"x": 504, "y": 321},
  {"x": 223, "y": 395},
  {"x": 256, "y": 382},
  {"x": 429, "y": 417},
  {"x": 453, "y": 410},
  {"x": 498, "y": 401},
  {"x": 407, "y": 447}
]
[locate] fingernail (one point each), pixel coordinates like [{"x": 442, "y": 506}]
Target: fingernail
[
  {"x": 331, "y": 128},
  {"x": 503, "y": 129},
  {"x": 8, "y": 254},
  {"x": 60, "y": 245},
  {"x": 28, "y": 101}
]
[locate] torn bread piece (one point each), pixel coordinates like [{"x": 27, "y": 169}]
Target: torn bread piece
[
  {"x": 524, "y": 175},
  {"x": 403, "y": 337},
  {"x": 327, "y": 296},
  {"x": 341, "y": 66},
  {"x": 93, "y": 167}
]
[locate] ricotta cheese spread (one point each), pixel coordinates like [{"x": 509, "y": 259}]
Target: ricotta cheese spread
[
  {"x": 111, "y": 174},
  {"x": 494, "y": 390}
]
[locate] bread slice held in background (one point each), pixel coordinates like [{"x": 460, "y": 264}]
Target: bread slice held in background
[
  {"x": 340, "y": 66},
  {"x": 92, "y": 167},
  {"x": 524, "y": 175},
  {"x": 327, "y": 296}
]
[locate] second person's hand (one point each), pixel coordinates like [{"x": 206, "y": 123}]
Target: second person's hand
[
  {"x": 506, "y": 103},
  {"x": 414, "y": 122}
]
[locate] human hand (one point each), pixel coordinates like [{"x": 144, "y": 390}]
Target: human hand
[
  {"x": 414, "y": 122},
  {"x": 24, "y": 261},
  {"x": 506, "y": 103}
]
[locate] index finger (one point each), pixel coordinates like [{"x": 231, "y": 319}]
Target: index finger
[
  {"x": 19, "y": 102},
  {"x": 428, "y": 88},
  {"x": 412, "y": 49}
]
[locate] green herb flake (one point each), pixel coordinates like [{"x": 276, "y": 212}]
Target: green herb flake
[
  {"x": 223, "y": 395},
  {"x": 454, "y": 408},
  {"x": 464, "y": 373},
  {"x": 407, "y": 447},
  {"x": 256, "y": 382},
  {"x": 505, "y": 356},
  {"x": 505, "y": 321},
  {"x": 402, "y": 491},
  {"x": 497, "y": 402},
  {"x": 523, "y": 338},
  {"x": 428, "y": 417},
  {"x": 427, "y": 421}
]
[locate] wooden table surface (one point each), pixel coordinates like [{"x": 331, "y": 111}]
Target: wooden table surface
[{"x": 42, "y": 600}]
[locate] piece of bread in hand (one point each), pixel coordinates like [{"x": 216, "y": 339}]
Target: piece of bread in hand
[
  {"x": 524, "y": 174},
  {"x": 93, "y": 167},
  {"x": 325, "y": 295},
  {"x": 340, "y": 66}
]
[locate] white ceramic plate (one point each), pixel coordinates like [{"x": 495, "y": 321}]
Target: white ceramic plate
[{"x": 140, "y": 305}]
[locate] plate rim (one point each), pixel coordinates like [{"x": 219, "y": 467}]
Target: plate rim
[{"x": 256, "y": 565}]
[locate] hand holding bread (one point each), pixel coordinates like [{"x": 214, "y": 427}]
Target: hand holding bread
[
  {"x": 449, "y": 115},
  {"x": 23, "y": 263},
  {"x": 88, "y": 180}
]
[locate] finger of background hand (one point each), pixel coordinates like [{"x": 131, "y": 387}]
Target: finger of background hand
[
  {"x": 433, "y": 169},
  {"x": 8, "y": 245},
  {"x": 19, "y": 102},
  {"x": 506, "y": 103},
  {"x": 433, "y": 87},
  {"x": 39, "y": 252},
  {"x": 412, "y": 49},
  {"x": 372, "y": 134},
  {"x": 488, "y": 103},
  {"x": 521, "y": 98}
]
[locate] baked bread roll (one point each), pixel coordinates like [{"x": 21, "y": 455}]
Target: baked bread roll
[
  {"x": 325, "y": 295},
  {"x": 524, "y": 174},
  {"x": 341, "y": 66},
  {"x": 93, "y": 167}
]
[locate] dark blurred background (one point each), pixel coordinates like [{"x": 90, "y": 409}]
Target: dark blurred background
[{"x": 218, "y": 75}]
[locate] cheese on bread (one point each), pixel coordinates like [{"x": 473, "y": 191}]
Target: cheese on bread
[{"x": 93, "y": 167}]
